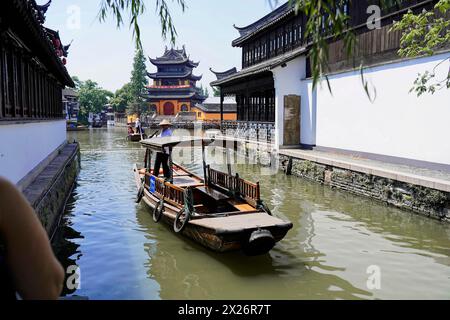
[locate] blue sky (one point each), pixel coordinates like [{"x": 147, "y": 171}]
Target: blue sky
[{"x": 104, "y": 54}]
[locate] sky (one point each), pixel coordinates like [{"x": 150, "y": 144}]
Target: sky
[{"x": 104, "y": 54}]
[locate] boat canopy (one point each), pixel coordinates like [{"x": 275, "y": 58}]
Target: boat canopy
[{"x": 158, "y": 144}]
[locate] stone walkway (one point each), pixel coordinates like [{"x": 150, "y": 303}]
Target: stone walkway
[
  {"x": 37, "y": 189},
  {"x": 439, "y": 180}
]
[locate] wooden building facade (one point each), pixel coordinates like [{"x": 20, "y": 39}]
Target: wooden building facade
[
  {"x": 276, "y": 40},
  {"x": 32, "y": 76},
  {"x": 31, "y": 73}
]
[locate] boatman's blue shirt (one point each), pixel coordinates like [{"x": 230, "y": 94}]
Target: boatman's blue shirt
[{"x": 166, "y": 133}]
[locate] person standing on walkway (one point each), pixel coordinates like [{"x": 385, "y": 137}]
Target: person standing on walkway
[
  {"x": 162, "y": 158},
  {"x": 27, "y": 263}
]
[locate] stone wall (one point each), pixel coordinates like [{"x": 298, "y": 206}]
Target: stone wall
[
  {"x": 48, "y": 194},
  {"x": 423, "y": 200}
]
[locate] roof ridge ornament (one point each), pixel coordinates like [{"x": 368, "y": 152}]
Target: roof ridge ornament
[{"x": 41, "y": 10}]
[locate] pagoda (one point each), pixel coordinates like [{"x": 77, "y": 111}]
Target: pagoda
[{"x": 174, "y": 87}]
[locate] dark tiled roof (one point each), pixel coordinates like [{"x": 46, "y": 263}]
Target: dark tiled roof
[
  {"x": 261, "y": 67},
  {"x": 174, "y": 56},
  {"x": 25, "y": 18},
  {"x": 174, "y": 75},
  {"x": 224, "y": 74},
  {"x": 212, "y": 105},
  {"x": 266, "y": 21}
]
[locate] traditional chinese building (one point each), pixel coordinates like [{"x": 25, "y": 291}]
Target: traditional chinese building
[
  {"x": 34, "y": 152},
  {"x": 174, "y": 84},
  {"x": 209, "y": 110},
  {"x": 274, "y": 88}
]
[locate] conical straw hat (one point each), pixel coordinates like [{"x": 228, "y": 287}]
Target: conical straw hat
[{"x": 165, "y": 122}]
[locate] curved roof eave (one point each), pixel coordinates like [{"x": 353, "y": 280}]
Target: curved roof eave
[{"x": 263, "y": 23}]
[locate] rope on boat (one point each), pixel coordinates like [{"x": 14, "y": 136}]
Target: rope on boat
[
  {"x": 262, "y": 206},
  {"x": 159, "y": 208},
  {"x": 179, "y": 224}
]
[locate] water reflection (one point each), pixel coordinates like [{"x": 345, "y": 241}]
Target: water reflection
[{"x": 336, "y": 236}]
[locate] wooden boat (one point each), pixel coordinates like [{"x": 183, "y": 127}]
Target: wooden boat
[
  {"x": 136, "y": 137},
  {"x": 77, "y": 128},
  {"x": 223, "y": 212}
]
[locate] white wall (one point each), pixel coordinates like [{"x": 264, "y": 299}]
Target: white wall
[
  {"x": 288, "y": 81},
  {"x": 397, "y": 124},
  {"x": 24, "y": 146}
]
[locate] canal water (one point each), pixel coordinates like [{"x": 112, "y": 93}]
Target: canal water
[{"x": 341, "y": 246}]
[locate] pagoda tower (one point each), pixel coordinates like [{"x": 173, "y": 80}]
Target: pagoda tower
[{"x": 174, "y": 84}]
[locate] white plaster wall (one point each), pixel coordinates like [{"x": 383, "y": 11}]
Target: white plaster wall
[
  {"x": 398, "y": 123},
  {"x": 24, "y": 146},
  {"x": 288, "y": 81}
]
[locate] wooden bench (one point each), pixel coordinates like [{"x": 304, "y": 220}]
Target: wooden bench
[
  {"x": 213, "y": 193},
  {"x": 248, "y": 190}
]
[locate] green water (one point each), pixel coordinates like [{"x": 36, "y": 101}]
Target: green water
[{"x": 123, "y": 254}]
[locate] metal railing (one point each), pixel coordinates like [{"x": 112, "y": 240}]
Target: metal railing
[{"x": 255, "y": 131}]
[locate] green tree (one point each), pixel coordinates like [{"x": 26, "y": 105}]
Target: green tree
[
  {"x": 92, "y": 98},
  {"x": 216, "y": 92},
  {"x": 122, "y": 98},
  {"x": 136, "y": 8},
  {"x": 206, "y": 93},
  {"x": 77, "y": 82},
  {"x": 424, "y": 34},
  {"x": 138, "y": 75},
  {"x": 138, "y": 82}
]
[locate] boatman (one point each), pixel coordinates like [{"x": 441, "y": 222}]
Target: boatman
[
  {"x": 138, "y": 126},
  {"x": 162, "y": 158}
]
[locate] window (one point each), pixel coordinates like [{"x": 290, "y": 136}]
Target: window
[
  {"x": 199, "y": 114},
  {"x": 26, "y": 90}
]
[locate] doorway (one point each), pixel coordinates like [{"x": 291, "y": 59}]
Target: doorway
[
  {"x": 169, "y": 109},
  {"x": 292, "y": 106}
]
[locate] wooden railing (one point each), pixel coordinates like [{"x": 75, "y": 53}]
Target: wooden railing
[
  {"x": 171, "y": 193},
  {"x": 221, "y": 179},
  {"x": 248, "y": 190}
]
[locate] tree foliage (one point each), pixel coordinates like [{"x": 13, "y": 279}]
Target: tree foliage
[
  {"x": 137, "y": 83},
  {"x": 122, "y": 98},
  {"x": 136, "y": 8},
  {"x": 92, "y": 98},
  {"x": 216, "y": 92},
  {"x": 425, "y": 34},
  {"x": 138, "y": 75},
  {"x": 326, "y": 20}
]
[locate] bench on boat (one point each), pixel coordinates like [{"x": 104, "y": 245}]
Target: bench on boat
[
  {"x": 220, "y": 187},
  {"x": 247, "y": 190}
]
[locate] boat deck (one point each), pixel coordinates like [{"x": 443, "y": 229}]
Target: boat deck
[{"x": 240, "y": 222}]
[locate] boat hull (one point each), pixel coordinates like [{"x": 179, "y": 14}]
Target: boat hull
[
  {"x": 216, "y": 233},
  {"x": 216, "y": 241},
  {"x": 136, "y": 137}
]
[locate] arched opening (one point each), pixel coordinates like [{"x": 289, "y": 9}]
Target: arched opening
[
  {"x": 169, "y": 109},
  {"x": 184, "y": 108}
]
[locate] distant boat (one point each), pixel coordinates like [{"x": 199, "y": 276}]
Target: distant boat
[
  {"x": 77, "y": 128},
  {"x": 222, "y": 212},
  {"x": 136, "y": 137}
]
